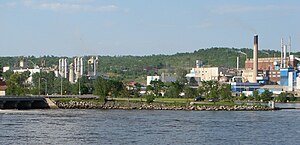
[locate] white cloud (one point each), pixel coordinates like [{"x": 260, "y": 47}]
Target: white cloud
[
  {"x": 9, "y": 4},
  {"x": 70, "y": 7},
  {"x": 253, "y": 8}
]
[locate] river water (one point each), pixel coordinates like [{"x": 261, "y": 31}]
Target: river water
[{"x": 149, "y": 127}]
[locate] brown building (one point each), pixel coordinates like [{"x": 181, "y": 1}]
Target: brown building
[
  {"x": 270, "y": 67},
  {"x": 3, "y": 87}
]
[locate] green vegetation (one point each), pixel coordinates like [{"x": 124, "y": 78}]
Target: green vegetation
[
  {"x": 149, "y": 98},
  {"x": 135, "y": 68},
  {"x": 118, "y": 70}
]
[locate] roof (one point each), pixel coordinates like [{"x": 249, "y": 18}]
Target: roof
[{"x": 3, "y": 86}]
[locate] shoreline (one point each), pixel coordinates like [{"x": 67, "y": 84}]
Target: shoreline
[{"x": 155, "y": 106}]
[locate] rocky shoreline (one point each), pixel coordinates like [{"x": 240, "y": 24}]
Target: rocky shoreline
[{"x": 154, "y": 106}]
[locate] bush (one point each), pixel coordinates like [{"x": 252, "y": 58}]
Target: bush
[
  {"x": 243, "y": 97},
  {"x": 150, "y": 98},
  {"x": 282, "y": 97}
]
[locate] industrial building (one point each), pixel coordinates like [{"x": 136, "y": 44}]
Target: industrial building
[
  {"x": 72, "y": 71},
  {"x": 164, "y": 78},
  {"x": 281, "y": 72},
  {"x": 207, "y": 73},
  {"x": 76, "y": 69},
  {"x": 3, "y": 87}
]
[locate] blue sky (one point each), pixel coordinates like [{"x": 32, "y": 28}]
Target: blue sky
[{"x": 143, "y": 27}]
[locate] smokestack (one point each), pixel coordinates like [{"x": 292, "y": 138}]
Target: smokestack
[
  {"x": 81, "y": 67},
  {"x": 284, "y": 56},
  {"x": 255, "y": 59},
  {"x": 71, "y": 73},
  {"x": 65, "y": 68},
  {"x": 237, "y": 63},
  {"x": 289, "y": 47},
  {"x": 281, "y": 53}
]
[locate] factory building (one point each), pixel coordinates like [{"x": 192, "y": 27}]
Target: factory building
[
  {"x": 164, "y": 78},
  {"x": 269, "y": 67},
  {"x": 3, "y": 87}
]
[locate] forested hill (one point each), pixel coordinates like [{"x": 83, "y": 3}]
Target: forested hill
[{"x": 135, "y": 66}]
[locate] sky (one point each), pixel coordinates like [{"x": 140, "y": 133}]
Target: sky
[{"x": 143, "y": 27}]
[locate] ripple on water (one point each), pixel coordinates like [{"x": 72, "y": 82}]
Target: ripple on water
[{"x": 148, "y": 127}]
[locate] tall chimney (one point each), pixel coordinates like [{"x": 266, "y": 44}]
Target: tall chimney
[
  {"x": 237, "y": 63},
  {"x": 255, "y": 59},
  {"x": 284, "y": 56},
  {"x": 281, "y": 53},
  {"x": 289, "y": 47}
]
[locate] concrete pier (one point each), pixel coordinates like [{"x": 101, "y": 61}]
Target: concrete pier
[{"x": 23, "y": 102}]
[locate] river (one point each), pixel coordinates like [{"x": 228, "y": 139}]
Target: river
[{"x": 149, "y": 127}]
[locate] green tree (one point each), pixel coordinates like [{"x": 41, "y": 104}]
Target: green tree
[
  {"x": 225, "y": 92},
  {"x": 17, "y": 84},
  {"x": 6, "y": 75},
  {"x": 266, "y": 95},
  {"x": 101, "y": 88},
  {"x": 157, "y": 87},
  {"x": 256, "y": 95},
  {"x": 43, "y": 82},
  {"x": 62, "y": 86},
  {"x": 242, "y": 97},
  {"x": 180, "y": 75},
  {"x": 282, "y": 97},
  {"x": 211, "y": 90},
  {"x": 174, "y": 89},
  {"x": 190, "y": 92}
]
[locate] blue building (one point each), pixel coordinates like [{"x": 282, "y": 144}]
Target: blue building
[
  {"x": 238, "y": 88},
  {"x": 284, "y": 76}
]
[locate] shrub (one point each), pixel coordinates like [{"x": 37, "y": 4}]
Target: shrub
[{"x": 150, "y": 98}]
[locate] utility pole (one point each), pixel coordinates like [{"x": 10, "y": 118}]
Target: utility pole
[
  {"x": 39, "y": 86},
  {"x": 46, "y": 86},
  {"x": 61, "y": 90},
  {"x": 79, "y": 91}
]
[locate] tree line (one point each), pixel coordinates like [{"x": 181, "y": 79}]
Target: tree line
[{"x": 45, "y": 83}]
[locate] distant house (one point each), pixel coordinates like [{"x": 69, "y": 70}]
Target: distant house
[{"x": 3, "y": 87}]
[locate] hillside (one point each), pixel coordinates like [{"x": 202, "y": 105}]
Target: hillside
[{"x": 137, "y": 67}]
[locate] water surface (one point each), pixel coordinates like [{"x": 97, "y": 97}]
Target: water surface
[{"x": 149, "y": 127}]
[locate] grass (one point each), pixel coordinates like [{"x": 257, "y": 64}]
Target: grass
[{"x": 65, "y": 100}]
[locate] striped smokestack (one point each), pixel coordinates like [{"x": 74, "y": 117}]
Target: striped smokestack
[{"x": 255, "y": 59}]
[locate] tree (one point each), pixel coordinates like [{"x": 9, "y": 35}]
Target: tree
[
  {"x": 256, "y": 95},
  {"x": 101, "y": 89},
  {"x": 7, "y": 74},
  {"x": 104, "y": 87},
  {"x": 180, "y": 75},
  {"x": 137, "y": 89},
  {"x": 190, "y": 92},
  {"x": 157, "y": 87},
  {"x": 243, "y": 97},
  {"x": 17, "y": 84},
  {"x": 62, "y": 85},
  {"x": 266, "y": 95},
  {"x": 225, "y": 92},
  {"x": 40, "y": 81},
  {"x": 211, "y": 90},
  {"x": 174, "y": 89},
  {"x": 282, "y": 97}
]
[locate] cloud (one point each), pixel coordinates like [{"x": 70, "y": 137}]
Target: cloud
[
  {"x": 253, "y": 8},
  {"x": 70, "y": 7},
  {"x": 9, "y": 4}
]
